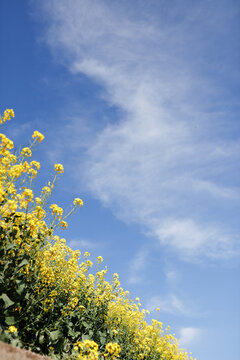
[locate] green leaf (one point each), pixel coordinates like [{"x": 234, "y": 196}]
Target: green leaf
[
  {"x": 6, "y": 265},
  {"x": 66, "y": 346},
  {"x": 102, "y": 339},
  {"x": 71, "y": 333},
  {"x": 54, "y": 335},
  {"x": 23, "y": 262},
  {"x": 85, "y": 337},
  {"x": 86, "y": 325},
  {"x": 10, "y": 247},
  {"x": 10, "y": 320},
  {"x": 41, "y": 339},
  {"x": 15, "y": 342},
  {"x": 8, "y": 302},
  {"x": 20, "y": 288}
]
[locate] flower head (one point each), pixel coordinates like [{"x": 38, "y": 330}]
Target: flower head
[
  {"x": 56, "y": 210},
  {"x": 38, "y": 136},
  {"x": 78, "y": 202},
  {"x": 8, "y": 113},
  {"x": 35, "y": 163},
  {"x": 12, "y": 329},
  {"x": 63, "y": 224},
  {"x": 58, "y": 168},
  {"x": 27, "y": 194},
  {"x": 99, "y": 259},
  {"x": 26, "y": 151},
  {"x": 113, "y": 349}
]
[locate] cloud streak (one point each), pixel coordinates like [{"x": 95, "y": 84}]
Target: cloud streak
[
  {"x": 188, "y": 335},
  {"x": 165, "y": 163},
  {"x": 138, "y": 263},
  {"x": 170, "y": 304}
]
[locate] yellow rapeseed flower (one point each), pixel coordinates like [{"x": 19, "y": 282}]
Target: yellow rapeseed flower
[
  {"x": 63, "y": 224},
  {"x": 19, "y": 309},
  {"x": 113, "y": 349},
  {"x": 78, "y": 202},
  {"x": 56, "y": 210},
  {"x": 28, "y": 194},
  {"x": 58, "y": 168},
  {"x": 46, "y": 189},
  {"x": 38, "y": 200},
  {"x": 12, "y": 329},
  {"x": 99, "y": 259},
  {"x": 38, "y": 136},
  {"x": 36, "y": 164},
  {"x": 26, "y": 152},
  {"x": 8, "y": 113}
]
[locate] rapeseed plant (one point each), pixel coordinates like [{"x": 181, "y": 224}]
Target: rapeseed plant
[{"x": 49, "y": 301}]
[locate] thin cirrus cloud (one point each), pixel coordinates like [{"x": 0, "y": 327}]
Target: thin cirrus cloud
[
  {"x": 165, "y": 163},
  {"x": 189, "y": 335},
  {"x": 83, "y": 243},
  {"x": 170, "y": 304},
  {"x": 138, "y": 264}
]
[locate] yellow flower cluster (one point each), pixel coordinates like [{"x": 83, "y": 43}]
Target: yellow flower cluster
[
  {"x": 78, "y": 202},
  {"x": 26, "y": 152},
  {"x": 58, "y": 168},
  {"x": 88, "y": 350},
  {"x": 57, "y": 210},
  {"x": 63, "y": 225},
  {"x": 99, "y": 259},
  {"x": 46, "y": 189},
  {"x": 5, "y": 144},
  {"x": 12, "y": 329},
  {"x": 113, "y": 349},
  {"x": 8, "y": 113},
  {"x": 37, "y": 136}
]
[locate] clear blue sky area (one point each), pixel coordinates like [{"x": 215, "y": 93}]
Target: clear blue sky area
[{"x": 139, "y": 100}]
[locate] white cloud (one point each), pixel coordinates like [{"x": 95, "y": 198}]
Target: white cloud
[
  {"x": 170, "y": 304},
  {"x": 188, "y": 335},
  {"x": 137, "y": 266},
  {"x": 190, "y": 238},
  {"x": 81, "y": 244},
  {"x": 171, "y": 275},
  {"x": 216, "y": 190},
  {"x": 167, "y": 160}
]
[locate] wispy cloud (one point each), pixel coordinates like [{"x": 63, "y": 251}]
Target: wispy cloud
[
  {"x": 77, "y": 244},
  {"x": 188, "y": 335},
  {"x": 189, "y": 237},
  {"x": 170, "y": 304},
  {"x": 171, "y": 274},
  {"x": 137, "y": 266},
  {"x": 165, "y": 164}
]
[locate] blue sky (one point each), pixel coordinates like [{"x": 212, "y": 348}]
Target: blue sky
[{"x": 140, "y": 102}]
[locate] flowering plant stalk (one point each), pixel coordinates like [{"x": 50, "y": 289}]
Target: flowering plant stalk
[{"x": 50, "y": 303}]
